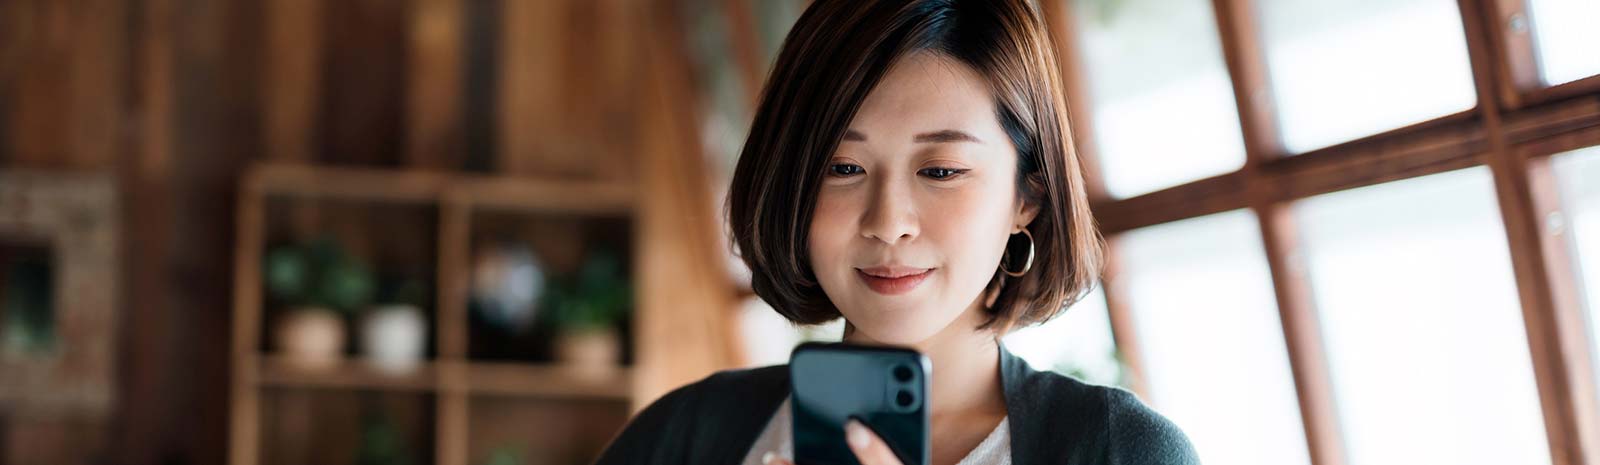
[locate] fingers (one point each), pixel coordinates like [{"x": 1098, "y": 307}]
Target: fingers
[{"x": 869, "y": 448}]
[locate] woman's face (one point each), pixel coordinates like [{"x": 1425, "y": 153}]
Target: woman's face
[{"x": 917, "y": 203}]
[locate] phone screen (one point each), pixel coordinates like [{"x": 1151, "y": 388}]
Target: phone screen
[{"x": 886, "y": 388}]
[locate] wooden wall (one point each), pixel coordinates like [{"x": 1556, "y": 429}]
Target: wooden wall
[{"x": 178, "y": 97}]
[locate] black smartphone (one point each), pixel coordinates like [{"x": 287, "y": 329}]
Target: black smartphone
[{"x": 886, "y": 388}]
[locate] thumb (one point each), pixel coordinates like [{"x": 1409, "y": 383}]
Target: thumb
[{"x": 869, "y": 448}]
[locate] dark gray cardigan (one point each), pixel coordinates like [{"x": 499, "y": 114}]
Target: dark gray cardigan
[{"x": 1054, "y": 420}]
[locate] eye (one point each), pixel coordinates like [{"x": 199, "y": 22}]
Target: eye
[
  {"x": 941, "y": 173},
  {"x": 844, "y": 169}
]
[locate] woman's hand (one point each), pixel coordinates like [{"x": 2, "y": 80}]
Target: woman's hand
[{"x": 869, "y": 448}]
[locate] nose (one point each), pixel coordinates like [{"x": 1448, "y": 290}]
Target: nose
[{"x": 891, "y": 215}]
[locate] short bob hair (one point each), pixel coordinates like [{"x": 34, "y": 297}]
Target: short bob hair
[{"x": 833, "y": 57}]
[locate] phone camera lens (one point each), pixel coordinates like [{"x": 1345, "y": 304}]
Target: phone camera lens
[
  {"x": 902, "y": 374},
  {"x": 904, "y": 399}
]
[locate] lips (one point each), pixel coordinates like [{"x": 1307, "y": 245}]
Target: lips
[{"x": 892, "y": 280}]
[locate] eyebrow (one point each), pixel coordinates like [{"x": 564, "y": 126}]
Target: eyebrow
[{"x": 935, "y": 137}]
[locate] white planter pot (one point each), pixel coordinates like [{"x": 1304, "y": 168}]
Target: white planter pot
[{"x": 394, "y": 338}]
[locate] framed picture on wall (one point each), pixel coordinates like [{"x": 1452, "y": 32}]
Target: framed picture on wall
[{"x": 58, "y": 289}]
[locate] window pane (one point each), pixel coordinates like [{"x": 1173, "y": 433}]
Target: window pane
[
  {"x": 1565, "y": 36},
  {"x": 1413, "y": 285},
  {"x": 1155, "y": 67},
  {"x": 1077, "y": 343},
  {"x": 1210, "y": 339},
  {"x": 1578, "y": 173},
  {"x": 1341, "y": 70},
  {"x": 767, "y": 337}
]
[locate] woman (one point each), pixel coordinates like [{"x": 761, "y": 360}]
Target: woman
[{"x": 910, "y": 169}]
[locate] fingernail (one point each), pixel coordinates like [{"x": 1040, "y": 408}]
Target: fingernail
[
  {"x": 767, "y": 458},
  {"x": 857, "y": 434}
]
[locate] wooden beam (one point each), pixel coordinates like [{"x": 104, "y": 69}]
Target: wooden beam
[
  {"x": 1586, "y": 86},
  {"x": 1302, "y": 333},
  {"x": 293, "y": 179},
  {"x": 1198, "y": 198},
  {"x": 1508, "y": 39},
  {"x": 1546, "y": 283},
  {"x": 1551, "y": 120},
  {"x": 1062, "y": 25},
  {"x": 1124, "y": 329},
  {"x": 1564, "y": 142},
  {"x": 244, "y": 444},
  {"x": 686, "y": 298},
  {"x": 1445, "y": 144},
  {"x": 1245, "y": 56},
  {"x": 1263, "y": 142},
  {"x": 452, "y": 407}
]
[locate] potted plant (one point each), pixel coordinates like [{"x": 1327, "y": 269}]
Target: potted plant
[
  {"x": 319, "y": 286},
  {"x": 394, "y": 333},
  {"x": 587, "y": 308}
]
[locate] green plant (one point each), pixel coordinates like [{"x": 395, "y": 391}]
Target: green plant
[
  {"x": 596, "y": 297},
  {"x": 507, "y": 455},
  {"x": 26, "y": 305},
  {"x": 382, "y": 442},
  {"x": 319, "y": 274}
]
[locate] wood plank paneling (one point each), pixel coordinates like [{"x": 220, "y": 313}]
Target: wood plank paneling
[
  {"x": 364, "y": 82},
  {"x": 293, "y": 85},
  {"x": 435, "y": 137}
]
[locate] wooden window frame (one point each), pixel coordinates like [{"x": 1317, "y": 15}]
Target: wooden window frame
[
  {"x": 1517, "y": 68},
  {"x": 1516, "y": 125}
]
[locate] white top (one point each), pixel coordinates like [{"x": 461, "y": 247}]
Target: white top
[{"x": 994, "y": 450}]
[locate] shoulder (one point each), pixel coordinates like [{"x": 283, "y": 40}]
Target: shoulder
[
  {"x": 1122, "y": 428},
  {"x": 740, "y": 387},
  {"x": 696, "y": 412},
  {"x": 1137, "y": 434}
]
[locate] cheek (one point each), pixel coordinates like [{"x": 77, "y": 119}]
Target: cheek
[
  {"x": 830, "y": 233},
  {"x": 971, "y": 230}
]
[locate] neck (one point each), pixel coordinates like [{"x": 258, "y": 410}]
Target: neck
[{"x": 966, "y": 366}]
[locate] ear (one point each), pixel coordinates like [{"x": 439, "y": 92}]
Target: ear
[{"x": 1026, "y": 211}]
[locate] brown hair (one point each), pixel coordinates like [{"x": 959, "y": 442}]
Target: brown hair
[{"x": 833, "y": 57}]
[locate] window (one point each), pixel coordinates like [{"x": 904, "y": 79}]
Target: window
[
  {"x": 1411, "y": 344},
  {"x": 1578, "y": 173},
  {"x": 1155, "y": 67},
  {"x": 1341, "y": 70},
  {"x": 1076, "y": 343},
  {"x": 1211, "y": 344},
  {"x": 1429, "y": 359},
  {"x": 1565, "y": 38}
]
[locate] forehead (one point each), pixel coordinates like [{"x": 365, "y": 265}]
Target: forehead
[{"x": 926, "y": 90}]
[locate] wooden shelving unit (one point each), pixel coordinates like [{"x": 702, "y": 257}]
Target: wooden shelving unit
[
  {"x": 490, "y": 378},
  {"x": 450, "y": 379}
]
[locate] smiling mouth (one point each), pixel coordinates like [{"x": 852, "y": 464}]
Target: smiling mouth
[{"x": 893, "y": 281}]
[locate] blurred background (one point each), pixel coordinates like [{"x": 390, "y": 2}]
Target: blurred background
[{"x": 487, "y": 231}]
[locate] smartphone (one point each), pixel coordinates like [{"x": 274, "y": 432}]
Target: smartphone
[{"x": 886, "y": 388}]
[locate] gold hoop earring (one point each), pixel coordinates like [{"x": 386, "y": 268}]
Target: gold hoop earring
[{"x": 1025, "y": 267}]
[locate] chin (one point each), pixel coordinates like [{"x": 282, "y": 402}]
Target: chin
[{"x": 902, "y": 326}]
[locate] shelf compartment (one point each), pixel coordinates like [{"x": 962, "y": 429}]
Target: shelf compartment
[
  {"x": 548, "y": 381},
  {"x": 350, "y": 374}
]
